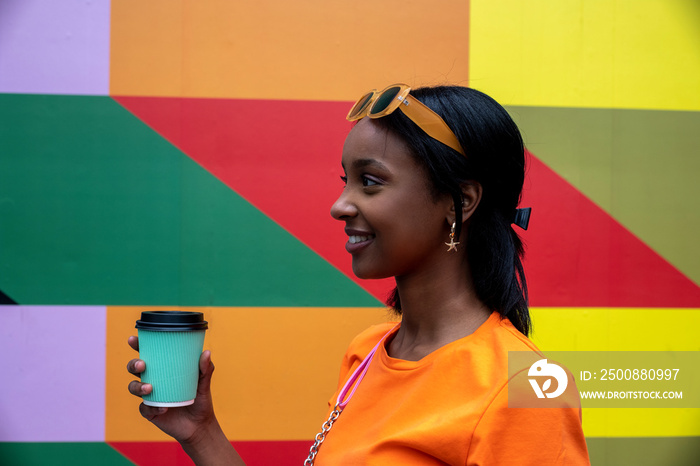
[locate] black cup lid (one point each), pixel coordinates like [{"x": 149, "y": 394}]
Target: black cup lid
[{"x": 172, "y": 321}]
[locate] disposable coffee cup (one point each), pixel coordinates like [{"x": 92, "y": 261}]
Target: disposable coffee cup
[{"x": 170, "y": 343}]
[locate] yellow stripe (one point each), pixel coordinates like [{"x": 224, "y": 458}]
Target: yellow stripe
[
  {"x": 648, "y": 422},
  {"x": 624, "y": 329},
  {"x": 621, "y": 54},
  {"x": 616, "y": 329},
  {"x": 277, "y": 367}
]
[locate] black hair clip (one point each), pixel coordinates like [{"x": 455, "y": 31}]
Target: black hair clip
[{"x": 522, "y": 217}]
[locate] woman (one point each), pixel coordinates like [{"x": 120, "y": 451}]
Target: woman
[{"x": 433, "y": 177}]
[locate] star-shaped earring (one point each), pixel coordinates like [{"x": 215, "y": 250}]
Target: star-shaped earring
[{"x": 452, "y": 245}]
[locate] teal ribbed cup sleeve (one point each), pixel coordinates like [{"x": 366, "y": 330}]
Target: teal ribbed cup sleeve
[{"x": 170, "y": 343}]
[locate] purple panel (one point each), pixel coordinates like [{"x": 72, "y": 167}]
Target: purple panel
[
  {"x": 52, "y": 373},
  {"x": 50, "y": 47}
]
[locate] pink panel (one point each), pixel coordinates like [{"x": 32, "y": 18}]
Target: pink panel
[
  {"x": 52, "y": 387},
  {"x": 49, "y": 47}
]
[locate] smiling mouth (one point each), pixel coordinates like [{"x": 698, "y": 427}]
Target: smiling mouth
[{"x": 359, "y": 239}]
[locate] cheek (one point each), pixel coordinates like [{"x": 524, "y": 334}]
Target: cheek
[{"x": 414, "y": 234}]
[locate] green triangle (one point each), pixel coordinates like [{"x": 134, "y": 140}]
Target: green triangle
[
  {"x": 99, "y": 209},
  {"x": 640, "y": 166},
  {"x": 60, "y": 454}
]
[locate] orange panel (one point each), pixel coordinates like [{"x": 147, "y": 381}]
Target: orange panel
[
  {"x": 276, "y": 368},
  {"x": 279, "y": 49}
]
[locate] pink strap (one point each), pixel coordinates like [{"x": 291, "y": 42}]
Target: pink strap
[{"x": 359, "y": 374}]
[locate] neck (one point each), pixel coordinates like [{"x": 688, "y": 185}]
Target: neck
[{"x": 437, "y": 309}]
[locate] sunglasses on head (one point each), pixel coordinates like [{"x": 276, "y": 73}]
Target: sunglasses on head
[{"x": 378, "y": 104}]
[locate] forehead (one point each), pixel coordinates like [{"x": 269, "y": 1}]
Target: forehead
[{"x": 368, "y": 141}]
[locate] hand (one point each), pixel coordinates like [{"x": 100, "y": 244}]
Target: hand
[{"x": 184, "y": 423}]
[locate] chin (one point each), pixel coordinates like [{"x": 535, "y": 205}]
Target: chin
[{"x": 368, "y": 273}]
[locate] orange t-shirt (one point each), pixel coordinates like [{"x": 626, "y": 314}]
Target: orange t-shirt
[{"x": 451, "y": 407}]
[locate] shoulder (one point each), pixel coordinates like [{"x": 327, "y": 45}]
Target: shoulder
[
  {"x": 510, "y": 338},
  {"x": 505, "y": 357},
  {"x": 528, "y": 432},
  {"x": 360, "y": 346},
  {"x": 488, "y": 349},
  {"x": 497, "y": 341}
]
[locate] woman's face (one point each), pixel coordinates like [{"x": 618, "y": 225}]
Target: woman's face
[{"x": 394, "y": 224}]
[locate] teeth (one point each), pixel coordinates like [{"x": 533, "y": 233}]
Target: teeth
[{"x": 359, "y": 239}]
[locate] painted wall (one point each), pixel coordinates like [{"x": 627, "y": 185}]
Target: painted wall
[{"x": 181, "y": 154}]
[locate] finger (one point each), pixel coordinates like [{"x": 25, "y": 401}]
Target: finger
[
  {"x": 205, "y": 364},
  {"x": 134, "y": 342},
  {"x": 139, "y": 389},
  {"x": 136, "y": 366},
  {"x": 206, "y": 369},
  {"x": 150, "y": 412}
]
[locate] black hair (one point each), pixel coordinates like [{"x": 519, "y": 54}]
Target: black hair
[{"x": 495, "y": 158}]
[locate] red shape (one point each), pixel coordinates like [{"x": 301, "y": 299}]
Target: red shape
[
  {"x": 254, "y": 453},
  {"x": 284, "y": 158}
]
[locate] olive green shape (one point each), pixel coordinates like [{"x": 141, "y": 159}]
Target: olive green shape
[{"x": 97, "y": 208}]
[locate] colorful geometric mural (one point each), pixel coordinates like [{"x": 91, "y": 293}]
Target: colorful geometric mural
[{"x": 179, "y": 154}]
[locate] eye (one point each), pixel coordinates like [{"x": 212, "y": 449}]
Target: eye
[{"x": 368, "y": 181}]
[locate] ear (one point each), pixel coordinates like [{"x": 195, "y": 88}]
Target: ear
[{"x": 471, "y": 197}]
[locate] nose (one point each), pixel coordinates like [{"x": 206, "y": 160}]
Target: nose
[{"x": 343, "y": 208}]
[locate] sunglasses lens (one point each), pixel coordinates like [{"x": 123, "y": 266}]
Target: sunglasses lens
[
  {"x": 384, "y": 100},
  {"x": 361, "y": 105}
]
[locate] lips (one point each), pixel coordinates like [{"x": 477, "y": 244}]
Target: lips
[{"x": 357, "y": 240}]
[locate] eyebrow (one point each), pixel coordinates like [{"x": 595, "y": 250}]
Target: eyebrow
[{"x": 362, "y": 163}]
